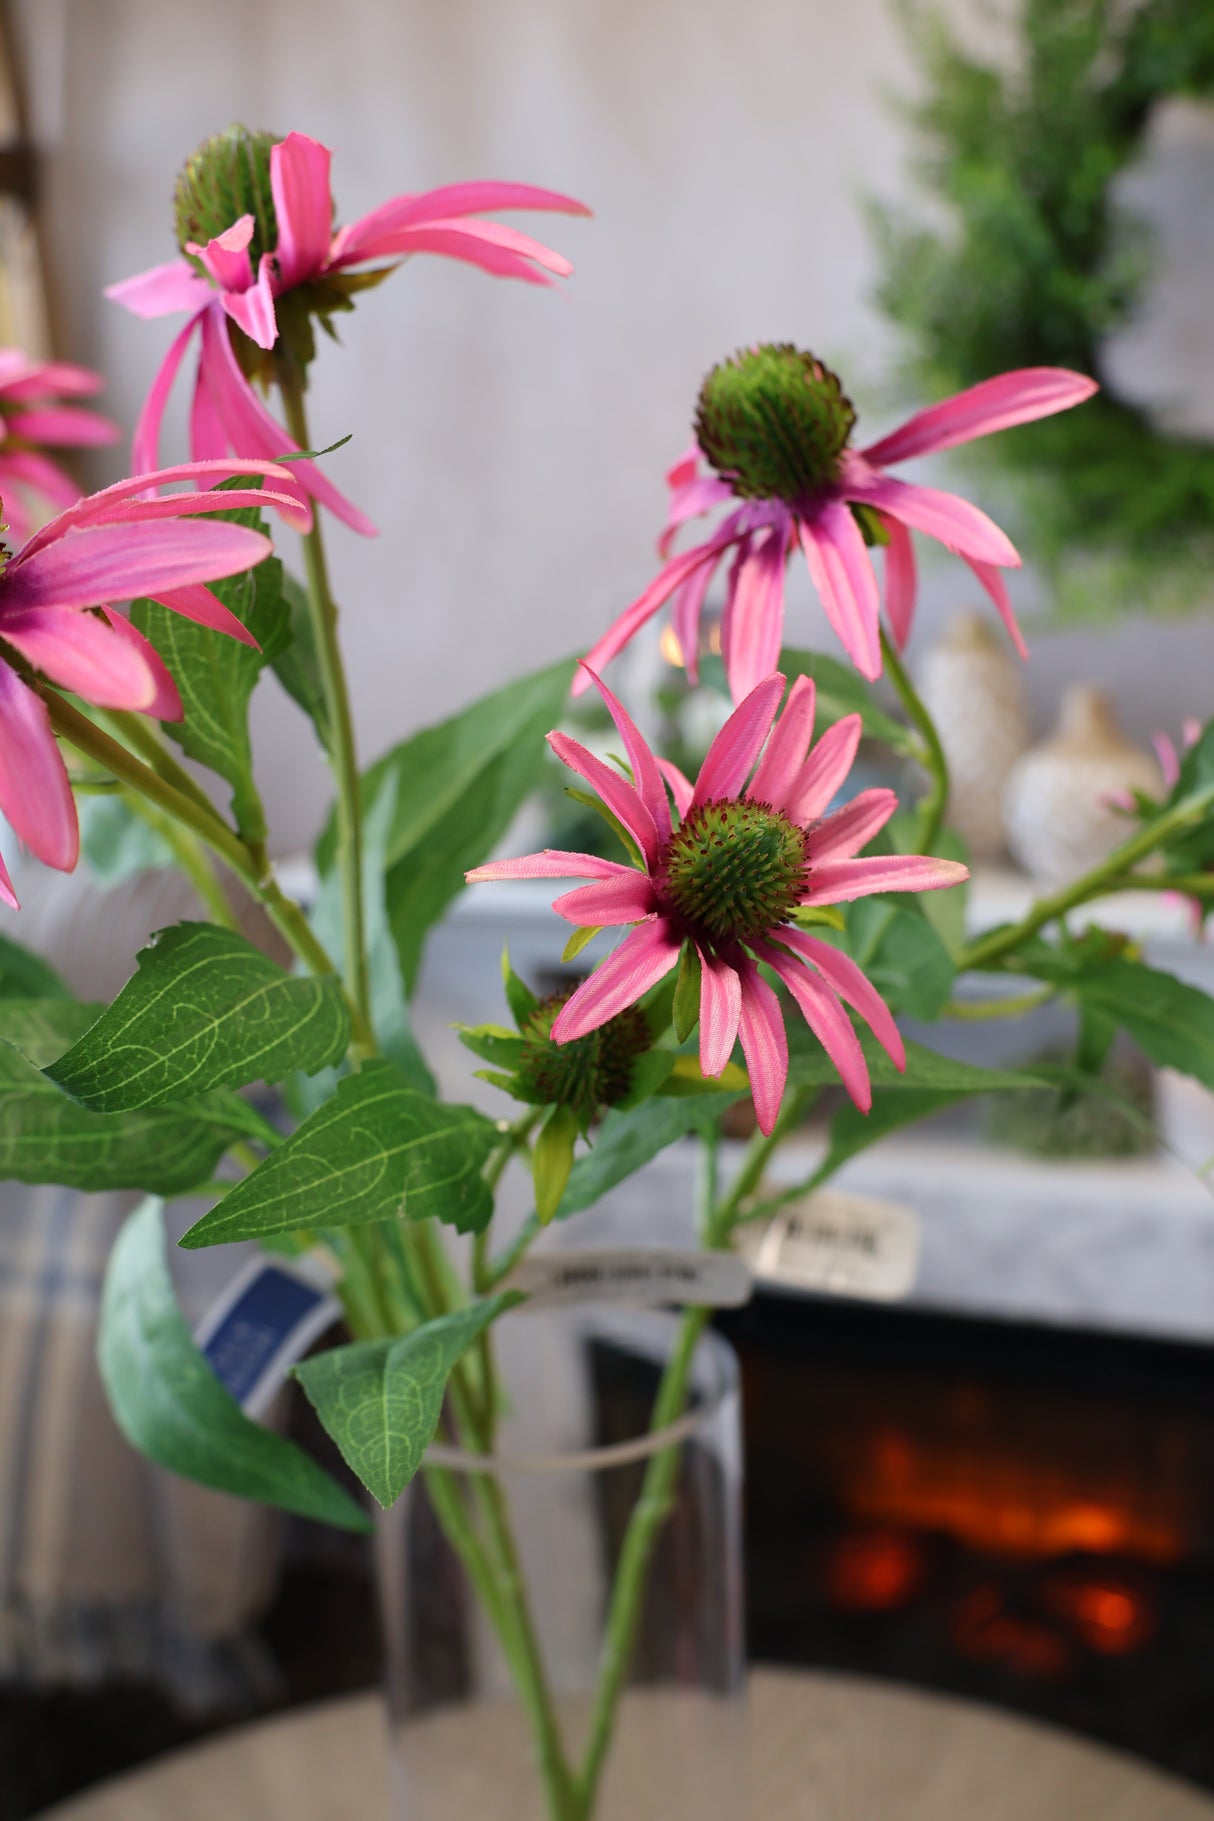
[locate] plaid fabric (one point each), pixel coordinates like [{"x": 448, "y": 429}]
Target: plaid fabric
[{"x": 107, "y": 1565}]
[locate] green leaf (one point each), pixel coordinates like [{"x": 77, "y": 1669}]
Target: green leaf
[
  {"x": 552, "y": 1160},
  {"x": 840, "y": 690},
  {"x": 519, "y": 996},
  {"x": 459, "y": 786},
  {"x": 588, "y": 800},
  {"x": 628, "y": 1140},
  {"x": 380, "y": 1400},
  {"x": 1172, "y": 1021},
  {"x": 116, "y": 842},
  {"x": 45, "y": 1136},
  {"x": 205, "y": 1009},
  {"x": 852, "y": 1131},
  {"x": 809, "y": 1066},
  {"x": 902, "y": 954},
  {"x": 685, "y": 1011},
  {"x": 169, "y": 1404},
  {"x": 24, "y": 975},
  {"x": 377, "y": 1149},
  {"x": 580, "y": 939},
  {"x": 216, "y": 674},
  {"x": 296, "y": 665},
  {"x": 39, "y": 1028}
]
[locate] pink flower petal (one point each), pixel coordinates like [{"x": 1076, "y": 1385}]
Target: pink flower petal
[
  {"x": 685, "y": 615},
  {"x": 48, "y": 379},
  {"x": 663, "y": 585},
  {"x": 645, "y": 773},
  {"x": 250, "y": 428},
  {"x": 827, "y": 1020},
  {"x": 501, "y": 251},
  {"x": 253, "y": 309},
  {"x": 685, "y": 469},
  {"x": 642, "y": 959},
  {"x": 145, "y": 445},
  {"x": 782, "y": 763},
  {"x": 207, "y": 439},
  {"x": 165, "y": 704},
  {"x": 162, "y": 291},
  {"x": 681, "y": 786},
  {"x": 206, "y": 609},
  {"x": 7, "y": 894},
  {"x": 34, "y": 791},
  {"x": 104, "y": 563},
  {"x": 66, "y": 425},
  {"x": 36, "y": 471},
  {"x": 690, "y": 501},
  {"x": 444, "y": 204},
  {"x": 764, "y": 1044},
  {"x": 952, "y": 521},
  {"x": 995, "y": 404},
  {"x": 756, "y": 618},
  {"x": 226, "y": 257},
  {"x": 839, "y": 881},
  {"x": 996, "y": 588},
  {"x": 720, "y": 1012},
  {"x": 854, "y": 988},
  {"x": 609, "y": 902},
  {"x": 901, "y": 582},
  {"x": 553, "y": 863},
  {"x": 81, "y": 652},
  {"x": 116, "y": 504},
  {"x": 842, "y": 573},
  {"x": 737, "y": 746},
  {"x": 852, "y": 827},
  {"x": 303, "y": 206},
  {"x": 616, "y": 792},
  {"x": 825, "y": 771}
]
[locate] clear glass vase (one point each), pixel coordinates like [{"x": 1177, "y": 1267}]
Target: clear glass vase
[{"x": 614, "y": 1557}]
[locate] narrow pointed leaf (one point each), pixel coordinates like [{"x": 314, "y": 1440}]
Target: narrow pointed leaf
[
  {"x": 205, "y": 1009},
  {"x": 377, "y": 1149},
  {"x": 686, "y": 1009},
  {"x": 169, "y": 1404},
  {"x": 380, "y": 1400},
  {"x": 552, "y": 1161}
]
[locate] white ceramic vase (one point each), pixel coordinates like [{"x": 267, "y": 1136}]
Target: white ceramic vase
[{"x": 972, "y": 684}]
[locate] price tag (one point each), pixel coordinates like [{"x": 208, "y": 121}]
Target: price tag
[
  {"x": 845, "y": 1245},
  {"x": 266, "y": 1319},
  {"x": 650, "y": 1276}
]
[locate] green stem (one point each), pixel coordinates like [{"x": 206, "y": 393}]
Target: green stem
[
  {"x": 291, "y": 385},
  {"x": 137, "y": 732},
  {"x": 632, "y": 1572},
  {"x": 1012, "y": 1005},
  {"x": 1095, "y": 884},
  {"x": 1189, "y": 885},
  {"x": 759, "y": 1152},
  {"x": 934, "y": 804}
]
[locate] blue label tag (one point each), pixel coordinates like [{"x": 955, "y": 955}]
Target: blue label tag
[{"x": 264, "y": 1321}]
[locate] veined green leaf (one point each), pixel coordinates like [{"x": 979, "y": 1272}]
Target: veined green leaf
[
  {"x": 169, "y": 1404},
  {"x": 460, "y": 784},
  {"x": 380, "y": 1400},
  {"x": 377, "y": 1149},
  {"x": 628, "y": 1140},
  {"x": 24, "y": 975},
  {"x": 39, "y": 1028},
  {"x": 1172, "y": 1021},
  {"x": 205, "y": 1009}
]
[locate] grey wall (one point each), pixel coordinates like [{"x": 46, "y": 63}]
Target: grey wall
[{"x": 511, "y": 443}]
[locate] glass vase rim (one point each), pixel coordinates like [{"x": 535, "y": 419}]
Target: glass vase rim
[{"x": 711, "y": 1347}]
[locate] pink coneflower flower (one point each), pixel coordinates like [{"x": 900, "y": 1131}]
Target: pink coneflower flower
[
  {"x": 34, "y": 417},
  {"x": 123, "y": 543},
  {"x": 719, "y": 889},
  {"x": 774, "y": 423},
  {"x": 261, "y": 260}
]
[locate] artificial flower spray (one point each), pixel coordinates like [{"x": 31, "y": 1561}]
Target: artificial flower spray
[{"x": 761, "y": 915}]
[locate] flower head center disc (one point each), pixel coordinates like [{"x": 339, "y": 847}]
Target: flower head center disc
[
  {"x": 734, "y": 870},
  {"x": 774, "y": 423},
  {"x": 227, "y": 177},
  {"x": 590, "y": 1072}
]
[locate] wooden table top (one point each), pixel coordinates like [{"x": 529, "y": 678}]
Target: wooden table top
[{"x": 820, "y": 1748}]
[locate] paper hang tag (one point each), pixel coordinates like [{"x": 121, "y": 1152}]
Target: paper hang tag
[
  {"x": 845, "y": 1245},
  {"x": 649, "y": 1276},
  {"x": 266, "y": 1319}
]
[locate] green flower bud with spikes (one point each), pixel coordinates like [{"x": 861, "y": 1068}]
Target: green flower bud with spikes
[
  {"x": 774, "y": 423},
  {"x": 227, "y": 177},
  {"x": 735, "y": 870},
  {"x": 618, "y": 1066}
]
